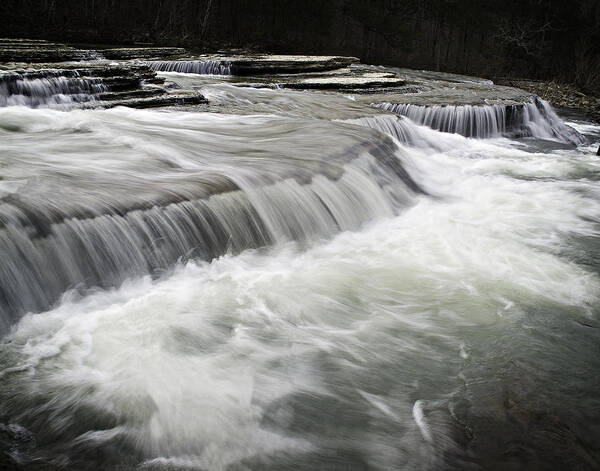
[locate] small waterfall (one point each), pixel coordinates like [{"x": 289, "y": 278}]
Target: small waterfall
[
  {"x": 34, "y": 90},
  {"x": 99, "y": 240},
  {"x": 409, "y": 133},
  {"x": 533, "y": 119},
  {"x": 399, "y": 128},
  {"x": 541, "y": 121},
  {"x": 192, "y": 67},
  {"x": 471, "y": 121}
]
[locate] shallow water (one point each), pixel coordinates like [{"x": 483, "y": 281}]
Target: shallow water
[{"x": 438, "y": 313}]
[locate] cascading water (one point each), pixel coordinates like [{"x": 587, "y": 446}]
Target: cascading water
[
  {"x": 49, "y": 89},
  {"x": 402, "y": 129},
  {"x": 541, "y": 121},
  {"x": 192, "y": 67},
  {"x": 535, "y": 119},
  {"x": 467, "y": 120},
  {"x": 93, "y": 232},
  {"x": 325, "y": 286}
]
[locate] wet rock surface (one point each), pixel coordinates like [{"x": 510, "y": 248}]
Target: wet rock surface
[
  {"x": 261, "y": 64},
  {"x": 88, "y": 84},
  {"x": 137, "y": 79},
  {"x": 36, "y": 51},
  {"x": 425, "y": 88},
  {"x": 28, "y": 51},
  {"x": 154, "y": 100},
  {"x": 364, "y": 80},
  {"x": 126, "y": 53},
  {"x": 277, "y": 64}
]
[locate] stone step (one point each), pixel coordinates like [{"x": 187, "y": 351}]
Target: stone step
[
  {"x": 128, "y": 53},
  {"x": 129, "y": 94},
  {"x": 133, "y": 85},
  {"x": 367, "y": 80},
  {"x": 258, "y": 64},
  {"x": 32, "y": 51},
  {"x": 164, "y": 99}
]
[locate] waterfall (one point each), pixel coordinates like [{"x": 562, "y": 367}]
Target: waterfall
[
  {"x": 45, "y": 89},
  {"x": 533, "y": 119},
  {"x": 100, "y": 235},
  {"x": 409, "y": 133},
  {"x": 541, "y": 121},
  {"x": 192, "y": 67},
  {"x": 43, "y": 259},
  {"x": 400, "y": 128},
  {"x": 471, "y": 121}
]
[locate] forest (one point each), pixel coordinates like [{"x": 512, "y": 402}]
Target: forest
[{"x": 538, "y": 39}]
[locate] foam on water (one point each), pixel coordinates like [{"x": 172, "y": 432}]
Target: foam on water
[
  {"x": 52, "y": 89},
  {"x": 184, "y": 186},
  {"x": 352, "y": 351},
  {"x": 209, "y": 67},
  {"x": 536, "y": 119}
]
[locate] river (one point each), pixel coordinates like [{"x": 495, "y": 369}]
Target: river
[{"x": 292, "y": 287}]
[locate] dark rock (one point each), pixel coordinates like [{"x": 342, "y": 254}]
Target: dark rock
[
  {"x": 127, "y": 53},
  {"x": 36, "y": 51},
  {"x": 129, "y": 94},
  {"x": 132, "y": 85},
  {"x": 367, "y": 80},
  {"x": 260, "y": 64},
  {"x": 276, "y": 64},
  {"x": 155, "y": 101}
]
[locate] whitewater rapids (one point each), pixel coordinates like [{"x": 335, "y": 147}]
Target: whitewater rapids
[{"x": 446, "y": 323}]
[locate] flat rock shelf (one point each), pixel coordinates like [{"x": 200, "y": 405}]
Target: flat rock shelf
[{"x": 90, "y": 85}]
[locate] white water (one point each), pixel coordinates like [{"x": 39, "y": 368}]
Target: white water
[
  {"x": 359, "y": 351},
  {"x": 17, "y": 90},
  {"x": 209, "y": 67},
  {"x": 367, "y": 325},
  {"x": 534, "y": 119},
  {"x": 185, "y": 186}
]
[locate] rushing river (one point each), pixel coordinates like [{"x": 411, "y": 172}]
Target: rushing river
[{"x": 295, "y": 289}]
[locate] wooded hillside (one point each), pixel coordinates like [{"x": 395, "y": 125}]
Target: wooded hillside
[{"x": 552, "y": 39}]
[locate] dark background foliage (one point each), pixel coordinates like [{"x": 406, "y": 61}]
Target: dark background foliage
[{"x": 545, "y": 39}]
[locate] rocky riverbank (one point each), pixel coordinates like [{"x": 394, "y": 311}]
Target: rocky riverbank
[
  {"x": 145, "y": 77},
  {"x": 559, "y": 95}
]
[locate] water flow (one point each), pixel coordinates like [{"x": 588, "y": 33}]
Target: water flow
[
  {"x": 407, "y": 132},
  {"x": 49, "y": 89},
  {"x": 186, "y": 187},
  {"x": 370, "y": 325},
  {"x": 534, "y": 119},
  {"x": 192, "y": 67}
]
